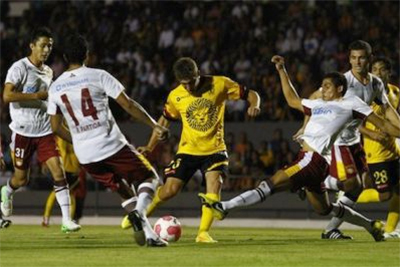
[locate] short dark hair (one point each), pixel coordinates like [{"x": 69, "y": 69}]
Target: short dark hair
[
  {"x": 338, "y": 79},
  {"x": 75, "y": 48},
  {"x": 386, "y": 62},
  {"x": 40, "y": 32},
  {"x": 361, "y": 45},
  {"x": 185, "y": 68}
]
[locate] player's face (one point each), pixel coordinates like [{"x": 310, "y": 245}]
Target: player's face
[
  {"x": 380, "y": 70},
  {"x": 359, "y": 61},
  {"x": 329, "y": 90},
  {"x": 41, "y": 49},
  {"x": 191, "y": 84}
]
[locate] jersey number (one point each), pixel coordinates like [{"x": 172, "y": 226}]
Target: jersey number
[{"x": 88, "y": 109}]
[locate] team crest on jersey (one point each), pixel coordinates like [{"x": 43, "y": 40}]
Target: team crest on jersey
[
  {"x": 18, "y": 162},
  {"x": 350, "y": 170},
  {"x": 201, "y": 114}
]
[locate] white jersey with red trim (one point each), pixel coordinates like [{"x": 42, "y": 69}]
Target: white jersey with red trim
[
  {"x": 81, "y": 95},
  {"x": 328, "y": 119},
  {"x": 29, "y": 118},
  {"x": 374, "y": 91}
]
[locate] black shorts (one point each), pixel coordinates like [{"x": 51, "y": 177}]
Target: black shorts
[
  {"x": 184, "y": 166},
  {"x": 385, "y": 175}
]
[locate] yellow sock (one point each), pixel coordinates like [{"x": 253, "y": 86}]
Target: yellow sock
[
  {"x": 155, "y": 203},
  {"x": 207, "y": 215},
  {"x": 73, "y": 206},
  {"x": 368, "y": 195},
  {"x": 393, "y": 215},
  {"x": 49, "y": 204}
]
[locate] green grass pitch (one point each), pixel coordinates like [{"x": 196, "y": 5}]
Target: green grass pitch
[{"x": 111, "y": 246}]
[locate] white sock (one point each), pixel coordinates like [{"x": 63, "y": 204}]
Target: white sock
[
  {"x": 144, "y": 200},
  {"x": 249, "y": 197},
  {"x": 63, "y": 199},
  {"x": 331, "y": 183},
  {"x": 148, "y": 229},
  {"x": 9, "y": 190},
  {"x": 129, "y": 204},
  {"x": 351, "y": 216},
  {"x": 335, "y": 222}
]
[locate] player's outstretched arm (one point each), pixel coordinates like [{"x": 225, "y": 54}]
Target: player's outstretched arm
[
  {"x": 154, "y": 140},
  {"x": 138, "y": 112},
  {"x": 254, "y": 100},
  {"x": 384, "y": 125},
  {"x": 374, "y": 135},
  {"x": 10, "y": 95},
  {"x": 391, "y": 114},
  {"x": 56, "y": 122},
  {"x": 289, "y": 91}
]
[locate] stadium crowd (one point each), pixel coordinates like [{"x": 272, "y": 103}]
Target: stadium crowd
[{"x": 138, "y": 41}]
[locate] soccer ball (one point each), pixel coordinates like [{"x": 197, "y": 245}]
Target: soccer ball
[{"x": 168, "y": 228}]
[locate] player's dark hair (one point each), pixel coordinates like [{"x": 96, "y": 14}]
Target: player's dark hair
[
  {"x": 75, "y": 49},
  {"x": 361, "y": 45},
  {"x": 386, "y": 62},
  {"x": 185, "y": 68},
  {"x": 337, "y": 79},
  {"x": 40, "y": 32}
]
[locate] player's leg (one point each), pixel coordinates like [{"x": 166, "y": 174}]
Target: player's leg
[
  {"x": 165, "y": 192},
  {"x": 321, "y": 205},
  {"x": 48, "y": 208},
  {"x": 22, "y": 151},
  {"x": 393, "y": 216}
]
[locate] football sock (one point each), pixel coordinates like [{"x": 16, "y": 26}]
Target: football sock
[
  {"x": 129, "y": 204},
  {"x": 368, "y": 195},
  {"x": 63, "y": 199},
  {"x": 331, "y": 183},
  {"x": 393, "y": 215},
  {"x": 49, "y": 204},
  {"x": 351, "y": 216},
  {"x": 155, "y": 203},
  {"x": 335, "y": 222},
  {"x": 249, "y": 197},
  {"x": 73, "y": 205},
  {"x": 206, "y": 214},
  {"x": 144, "y": 200},
  {"x": 10, "y": 190}
]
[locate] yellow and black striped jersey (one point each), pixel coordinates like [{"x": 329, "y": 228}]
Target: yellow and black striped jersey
[
  {"x": 202, "y": 114},
  {"x": 374, "y": 150}
]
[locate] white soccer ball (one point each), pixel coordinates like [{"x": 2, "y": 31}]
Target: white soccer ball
[{"x": 168, "y": 228}]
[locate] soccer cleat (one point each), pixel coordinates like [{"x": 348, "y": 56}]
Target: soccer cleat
[
  {"x": 125, "y": 223},
  {"x": 6, "y": 203},
  {"x": 377, "y": 231},
  {"x": 335, "y": 234},
  {"x": 392, "y": 235},
  {"x": 70, "y": 226},
  {"x": 4, "y": 223},
  {"x": 158, "y": 242},
  {"x": 217, "y": 209},
  {"x": 137, "y": 225},
  {"x": 204, "y": 237}
]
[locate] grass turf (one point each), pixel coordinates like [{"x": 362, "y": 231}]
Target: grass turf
[{"x": 112, "y": 246}]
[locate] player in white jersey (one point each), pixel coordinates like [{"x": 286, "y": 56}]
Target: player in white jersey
[
  {"x": 348, "y": 147},
  {"x": 25, "y": 89},
  {"x": 328, "y": 116},
  {"x": 80, "y": 95}
]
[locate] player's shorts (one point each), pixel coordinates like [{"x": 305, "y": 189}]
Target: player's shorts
[
  {"x": 385, "y": 175},
  {"x": 184, "y": 166},
  {"x": 308, "y": 170},
  {"x": 348, "y": 162},
  {"x": 24, "y": 147},
  {"x": 126, "y": 164}
]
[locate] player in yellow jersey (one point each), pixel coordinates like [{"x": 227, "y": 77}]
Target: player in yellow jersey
[
  {"x": 383, "y": 155},
  {"x": 199, "y": 102},
  {"x": 73, "y": 174}
]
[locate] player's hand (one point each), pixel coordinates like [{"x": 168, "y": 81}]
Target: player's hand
[
  {"x": 380, "y": 137},
  {"x": 297, "y": 135},
  {"x": 2, "y": 164},
  {"x": 161, "y": 132},
  {"x": 144, "y": 150},
  {"x": 279, "y": 62},
  {"x": 253, "y": 111},
  {"x": 42, "y": 95}
]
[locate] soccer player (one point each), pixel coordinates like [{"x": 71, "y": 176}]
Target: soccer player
[
  {"x": 328, "y": 116},
  {"x": 25, "y": 89},
  {"x": 383, "y": 155},
  {"x": 199, "y": 102},
  {"x": 80, "y": 96},
  {"x": 73, "y": 173}
]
